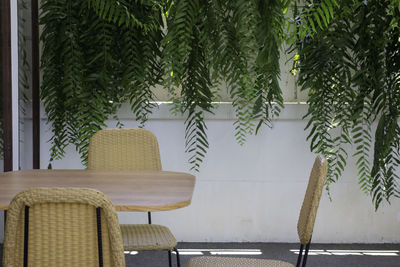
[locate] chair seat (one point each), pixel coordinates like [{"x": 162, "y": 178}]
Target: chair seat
[
  {"x": 147, "y": 237},
  {"x": 234, "y": 262}
]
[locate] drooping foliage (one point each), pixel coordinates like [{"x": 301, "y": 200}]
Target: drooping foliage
[
  {"x": 100, "y": 53},
  {"x": 352, "y": 71},
  {"x": 90, "y": 65},
  {"x": 236, "y": 43}
]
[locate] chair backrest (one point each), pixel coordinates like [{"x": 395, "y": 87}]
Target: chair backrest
[
  {"x": 124, "y": 149},
  {"x": 62, "y": 227},
  {"x": 312, "y": 197}
]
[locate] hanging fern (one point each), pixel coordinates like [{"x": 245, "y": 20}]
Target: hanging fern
[
  {"x": 382, "y": 88},
  {"x": 120, "y": 12},
  {"x": 351, "y": 70},
  {"x": 185, "y": 61},
  {"x": 311, "y": 17},
  {"x": 387, "y": 137},
  {"x": 86, "y": 76},
  {"x": 100, "y": 53},
  {"x": 238, "y": 61},
  {"x": 269, "y": 101},
  {"x": 239, "y": 43},
  {"x": 196, "y": 100},
  {"x": 325, "y": 72}
]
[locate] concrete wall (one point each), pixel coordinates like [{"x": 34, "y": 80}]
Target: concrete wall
[{"x": 251, "y": 192}]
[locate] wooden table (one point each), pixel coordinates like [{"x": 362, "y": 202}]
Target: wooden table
[{"x": 128, "y": 190}]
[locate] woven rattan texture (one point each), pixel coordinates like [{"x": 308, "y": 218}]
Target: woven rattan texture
[
  {"x": 312, "y": 197},
  {"x": 305, "y": 224},
  {"x": 234, "y": 262},
  {"x": 124, "y": 149},
  {"x": 62, "y": 229},
  {"x": 147, "y": 237},
  {"x": 131, "y": 149}
]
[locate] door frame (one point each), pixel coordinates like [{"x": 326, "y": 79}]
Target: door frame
[{"x": 9, "y": 61}]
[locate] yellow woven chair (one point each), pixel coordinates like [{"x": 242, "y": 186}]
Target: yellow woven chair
[
  {"x": 132, "y": 149},
  {"x": 51, "y": 227},
  {"x": 305, "y": 227}
]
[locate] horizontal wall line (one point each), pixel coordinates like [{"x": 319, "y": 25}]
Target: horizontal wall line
[{"x": 222, "y": 111}]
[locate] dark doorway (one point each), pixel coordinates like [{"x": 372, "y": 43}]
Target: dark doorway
[{"x": 6, "y": 91}]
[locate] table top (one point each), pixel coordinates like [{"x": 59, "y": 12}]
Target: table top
[{"x": 128, "y": 190}]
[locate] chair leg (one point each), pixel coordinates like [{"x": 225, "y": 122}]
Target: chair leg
[
  {"x": 300, "y": 255},
  {"x": 26, "y": 236},
  {"x": 306, "y": 254},
  {"x": 178, "y": 260},
  {"x": 169, "y": 258},
  {"x": 99, "y": 239},
  {"x": 5, "y": 220}
]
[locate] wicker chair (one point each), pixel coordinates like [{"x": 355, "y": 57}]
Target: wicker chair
[
  {"x": 305, "y": 227},
  {"x": 62, "y": 227},
  {"x": 132, "y": 149}
]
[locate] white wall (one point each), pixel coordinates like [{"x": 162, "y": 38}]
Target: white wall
[{"x": 251, "y": 192}]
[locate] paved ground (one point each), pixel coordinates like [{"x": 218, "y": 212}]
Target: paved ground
[
  {"x": 329, "y": 255},
  {"x": 353, "y": 255}
]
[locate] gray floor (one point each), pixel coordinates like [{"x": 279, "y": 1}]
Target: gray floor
[{"x": 330, "y": 255}]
